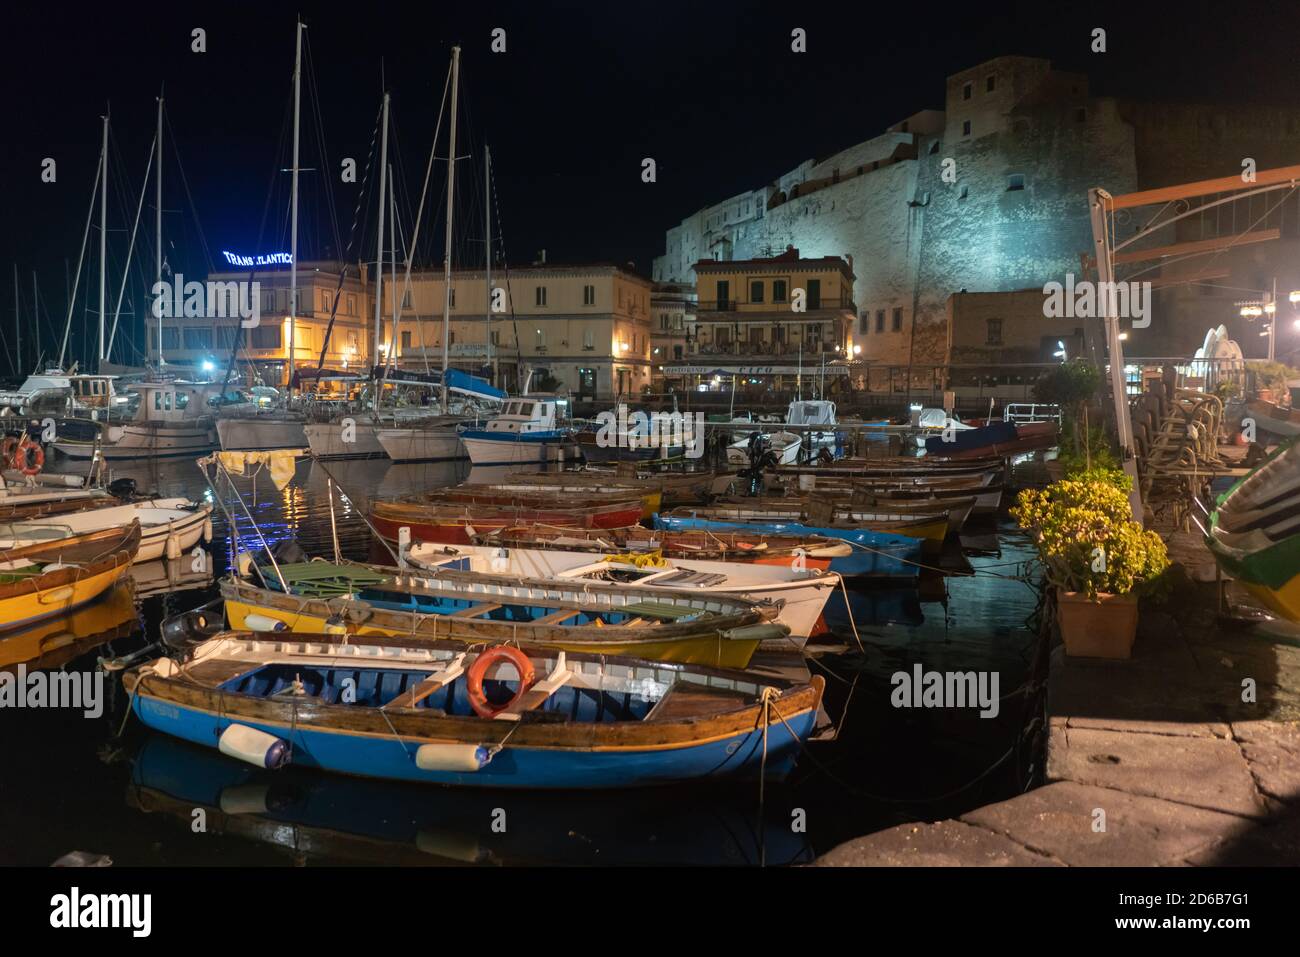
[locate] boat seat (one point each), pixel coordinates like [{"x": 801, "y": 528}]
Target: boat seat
[
  {"x": 687, "y": 699},
  {"x": 439, "y": 679},
  {"x": 556, "y": 617},
  {"x": 660, "y": 610},
  {"x": 474, "y": 611},
  {"x": 689, "y": 578},
  {"x": 538, "y": 694}
]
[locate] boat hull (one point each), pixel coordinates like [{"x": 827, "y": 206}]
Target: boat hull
[
  {"x": 422, "y": 445},
  {"x": 738, "y": 753},
  {"x": 485, "y": 448},
  {"x": 146, "y": 441},
  {"x": 326, "y": 440},
  {"x": 876, "y": 554},
  {"x": 258, "y": 434}
]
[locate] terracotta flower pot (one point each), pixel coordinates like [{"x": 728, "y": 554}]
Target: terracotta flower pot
[{"x": 1104, "y": 628}]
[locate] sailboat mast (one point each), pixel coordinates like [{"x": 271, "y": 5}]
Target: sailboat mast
[
  {"x": 293, "y": 202},
  {"x": 103, "y": 235},
  {"x": 18, "y": 325},
  {"x": 157, "y": 226},
  {"x": 392, "y": 258},
  {"x": 451, "y": 187},
  {"x": 487, "y": 232},
  {"x": 379, "y": 240}
]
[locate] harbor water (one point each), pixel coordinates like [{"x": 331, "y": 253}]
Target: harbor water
[{"x": 106, "y": 785}]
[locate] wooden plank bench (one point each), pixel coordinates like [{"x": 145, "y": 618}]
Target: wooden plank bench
[{"x": 412, "y": 696}]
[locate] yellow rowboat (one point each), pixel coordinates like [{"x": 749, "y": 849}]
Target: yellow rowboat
[
  {"x": 473, "y": 607},
  {"x": 54, "y": 578},
  {"x": 54, "y": 642}
]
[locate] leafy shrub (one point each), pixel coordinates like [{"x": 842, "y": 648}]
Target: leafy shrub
[{"x": 1087, "y": 539}]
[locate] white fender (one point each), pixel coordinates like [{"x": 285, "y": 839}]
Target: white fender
[
  {"x": 451, "y": 757},
  {"x": 256, "y": 622},
  {"x": 256, "y": 747}
]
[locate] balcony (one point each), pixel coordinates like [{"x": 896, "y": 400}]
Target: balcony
[{"x": 741, "y": 310}]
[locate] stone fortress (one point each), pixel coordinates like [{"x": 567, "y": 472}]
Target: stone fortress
[{"x": 989, "y": 195}]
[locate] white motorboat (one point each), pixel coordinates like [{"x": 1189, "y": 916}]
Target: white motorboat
[
  {"x": 166, "y": 419},
  {"x": 259, "y": 431},
  {"x": 169, "y": 527},
  {"x": 814, "y": 422},
  {"x": 527, "y": 430}
]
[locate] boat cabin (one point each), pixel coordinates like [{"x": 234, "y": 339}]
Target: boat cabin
[
  {"x": 169, "y": 401},
  {"x": 529, "y": 414},
  {"x": 810, "y": 412}
]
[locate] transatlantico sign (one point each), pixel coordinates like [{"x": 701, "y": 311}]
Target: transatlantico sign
[
  {"x": 756, "y": 370},
  {"x": 268, "y": 259}
]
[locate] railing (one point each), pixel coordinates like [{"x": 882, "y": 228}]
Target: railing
[
  {"x": 1031, "y": 412},
  {"x": 781, "y": 306}
]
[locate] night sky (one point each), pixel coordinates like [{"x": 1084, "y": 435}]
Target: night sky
[{"x": 584, "y": 92}]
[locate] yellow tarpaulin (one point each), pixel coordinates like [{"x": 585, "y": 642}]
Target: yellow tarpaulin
[{"x": 279, "y": 462}]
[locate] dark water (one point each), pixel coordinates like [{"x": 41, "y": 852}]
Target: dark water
[{"x": 75, "y": 783}]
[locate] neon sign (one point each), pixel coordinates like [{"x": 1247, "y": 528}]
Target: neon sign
[{"x": 270, "y": 259}]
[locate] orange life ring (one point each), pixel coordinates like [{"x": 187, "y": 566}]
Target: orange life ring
[
  {"x": 32, "y": 459},
  {"x": 7, "y": 450},
  {"x": 478, "y": 670}
]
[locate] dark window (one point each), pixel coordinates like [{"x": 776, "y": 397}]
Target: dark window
[
  {"x": 226, "y": 336},
  {"x": 814, "y": 293},
  {"x": 963, "y": 192},
  {"x": 588, "y": 295},
  {"x": 755, "y": 291},
  {"x": 1080, "y": 115},
  {"x": 990, "y": 84},
  {"x": 897, "y": 323},
  {"x": 965, "y": 91},
  {"x": 1016, "y": 181},
  {"x": 880, "y": 320},
  {"x": 199, "y": 337},
  {"x": 171, "y": 337},
  {"x": 266, "y": 336},
  {"x": 965, "y": 128},
  {"x": 724, "y": 294},
  {"x": 994, "y": 337},
  {"x": 778, "y": 290},
  {"x": 406, "y": 340},
  {"x": 864, "y": 322}
]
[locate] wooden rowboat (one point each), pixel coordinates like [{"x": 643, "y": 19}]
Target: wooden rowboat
[
  {"x": 399, "y": 709},
  {"x": 55, "y": 578},
  {"x": 931, "y": 527},
  {"x": 739, "y": 546},
  {"x": 471, "y": 607},
  {"x": 457, "y": 523},
  {"x": 512, "y": 492},
  {"x": 674, "y": 488}
]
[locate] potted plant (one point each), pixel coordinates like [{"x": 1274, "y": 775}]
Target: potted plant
[{"x": 1096, "y": 557}]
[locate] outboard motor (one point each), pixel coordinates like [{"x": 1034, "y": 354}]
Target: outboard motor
[
  {"x": 123, "y": 488},
  {"x": 289, "y": 552},
  {"x": 761, "y": 457}
]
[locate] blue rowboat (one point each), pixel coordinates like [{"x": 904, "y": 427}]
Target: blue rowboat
[
  {"x": 411, "y": 711},
  {"x": 874, "y": 553}
]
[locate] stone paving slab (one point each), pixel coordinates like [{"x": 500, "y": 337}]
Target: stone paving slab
[
  {"x": 1058, "y": 820},
  {"x": 1199, "y": 772},
  {"x": 1272, "y": 751},
  {"x": 945, "y": 844}
]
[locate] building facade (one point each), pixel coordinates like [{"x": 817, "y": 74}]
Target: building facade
[
  {"x": 768, "y": 321},
  {"x": 585, "y": 329},
  {"x": 672, "y": 308},
  {"x": 989, "y": 195},
  {"x": 204, "y": 344}
]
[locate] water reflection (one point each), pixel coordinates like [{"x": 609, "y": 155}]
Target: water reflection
[
  {"x": 55, "y": 642},
  {"x": 320, "y": 818}
]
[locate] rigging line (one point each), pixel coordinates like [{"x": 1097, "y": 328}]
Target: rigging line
[
  {"x": 419, "y": 215},
  {"x": 313, "y": 99},
  {"x": 72, "y": 298},
  {"x": 356, "y": 220},
  {"x": 189, "y": 197},
  {"x": 117, "y": 311},
  {"x": 505, "y": 266}
]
